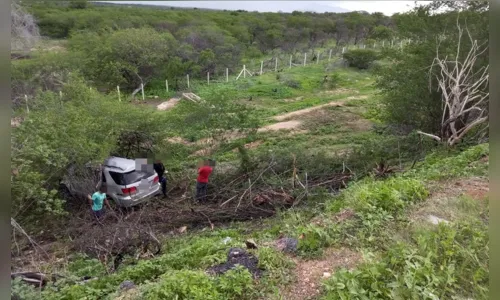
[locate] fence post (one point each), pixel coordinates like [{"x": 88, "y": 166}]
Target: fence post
[
  {"x": 27, "y": 107},
  {"x": 187, "y": 76},
  {"x": 227, "y": 75},
  {"x": 305, "y": 57},
  {"x": 383, "y": 43},
  {"x": 118, "y": 89},
  {"x": 276, "y": 65},
  {"x": 317, "y": 59},
  {"x": 401, "y": 44},
  {"x": 166, "y": 85},
  {"x": 392, "y": 43},
  {"x": 244, "y": 71},
  {"x": 261, "y": 65},
  {"x": 330, "y": 55},
  {"x": 343, "y": 50},
  {"x": 290, "y": 61},
  {"x": 142, "y": 91},
  {"x": 208, "y": 78}
]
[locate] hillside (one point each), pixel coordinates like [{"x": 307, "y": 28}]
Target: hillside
[{"x": 335, "y": 176}]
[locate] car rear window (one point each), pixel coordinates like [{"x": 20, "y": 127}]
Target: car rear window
[{"x": 130, "y": 177}]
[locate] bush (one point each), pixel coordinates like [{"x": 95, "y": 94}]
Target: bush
[
  {"x": 391, "y": 195},
  {"x": 437, "y": 266},
  {"x": 360, "y": 58},
  {"x": 294, "y": 84}
]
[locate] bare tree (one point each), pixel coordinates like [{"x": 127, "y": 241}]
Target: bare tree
[
  {"x": 464, "y": 89},
  {"x": 24, "y": 31}
]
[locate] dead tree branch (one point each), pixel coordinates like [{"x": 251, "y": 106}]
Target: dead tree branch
[{"x": 464, "y": 89}]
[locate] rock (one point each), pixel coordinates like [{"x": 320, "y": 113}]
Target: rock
[
  {"x": 251, "y": 244},
  {"x": 182, "y": 229},
  {"x": 127, "y": 285},
  {"x": 327, "y": 275},
  {"x": 288, "y": 245},
  {"x": 436, "y": 220}
]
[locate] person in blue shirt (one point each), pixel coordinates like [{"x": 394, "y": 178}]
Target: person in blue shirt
[{"x": 97, "y": 201}]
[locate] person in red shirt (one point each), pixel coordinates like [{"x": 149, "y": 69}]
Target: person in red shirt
[{"x": 204, "y": 172}]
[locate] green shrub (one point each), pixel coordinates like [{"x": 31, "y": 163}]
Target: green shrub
[
  {"x": 23, "y": 291},
  {"x": 360, "y": 58},
  {"x": 183, "y": 284},
  {"x": 390, "y": 195},
  {"x": 441, "y": 165},
  {"x": 446, "y": 263}
]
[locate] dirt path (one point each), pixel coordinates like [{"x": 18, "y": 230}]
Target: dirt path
[
  {"x": 168, "y": 104},
  {"x": 310, "y": 273},
  {"x": 306, "y": 111},
  {"x": 288, "y": 125}
]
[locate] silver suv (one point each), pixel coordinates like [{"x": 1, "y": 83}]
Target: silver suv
[{"x": 129, "y": 182}]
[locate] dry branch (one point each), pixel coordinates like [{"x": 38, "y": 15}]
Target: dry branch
[{"x": 464, "y": 89}]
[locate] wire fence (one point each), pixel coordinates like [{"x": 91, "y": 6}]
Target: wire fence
[{"x": 277, "y": 62}]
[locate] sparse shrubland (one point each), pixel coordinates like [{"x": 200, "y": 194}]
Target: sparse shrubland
[{"x": 325, "y": 156}]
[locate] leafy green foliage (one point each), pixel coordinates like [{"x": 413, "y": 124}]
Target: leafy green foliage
[
  {"x": 406, "y": 81},
  {"x": 125, "y": 57},
  {"x": 78, "y": 128},
  {"x": 20, "y": 290},
  {"x": 391, "y": 195},
  {"x": 442, "y": 165},
  {"x": 448, "y": 262},
  {"x": 360, "y": 58}
]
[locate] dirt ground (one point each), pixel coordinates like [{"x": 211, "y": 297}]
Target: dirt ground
[
  {"x": 447, "y": 203},
  {"x": 298, "y": 113},
  {"x": 168, "y": 104},
  {"x": 287, "y": 125},
  {"x": 309, "y": 273}
]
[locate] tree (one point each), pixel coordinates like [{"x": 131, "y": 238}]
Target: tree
[
  {"x": 404, "y": 82},
  {"x": 464, "y": 91},
  {"x": 381, "y": 33},
  {"x": 24, "y": 31},
  {"x": 128, "y": 57}
]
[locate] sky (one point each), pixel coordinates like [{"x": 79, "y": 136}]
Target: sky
[{"x": 386, "y": 7}]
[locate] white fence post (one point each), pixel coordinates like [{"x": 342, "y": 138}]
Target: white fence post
[
  {"x": 227, "y": 75},
  {"x": 290, "y": 61},
  {"x": 276, "y": 65},
  {"x": 187, "y": 76},
  {"x": 142, "y": 90},
  {"x": 27, "y": 107},
  {"x": 330, "y": 55},
  {"x": 244, "y": 71},
  {"x": 305, "y": 58},
  {"x": 166, "y": 85},
  {"x": 208, "y": 78},
  {"x": 383, "y": 43},
  {"x": 317, "y": 59},
  {"x": 343, "y": 50},
  {"x": 261, "y": 65},
  {"x": 118, "y": 90}
]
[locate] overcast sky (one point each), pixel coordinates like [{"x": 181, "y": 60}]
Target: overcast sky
[{"x": 386, "y": 7}]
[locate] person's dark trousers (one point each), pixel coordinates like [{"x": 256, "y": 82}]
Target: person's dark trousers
[
  {"x": 163, "y": 182},
  {"x": 201, "y": 191}
]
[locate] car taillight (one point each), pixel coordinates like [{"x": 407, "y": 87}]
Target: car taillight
[
  {"x": 129, "y": 191},
  {"x": 156, "y": 179}
]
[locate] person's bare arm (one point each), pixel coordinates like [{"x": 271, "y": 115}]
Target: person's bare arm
[
  {"x": 90, "y": 200},
  {"x": 106, "y": 202}
]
